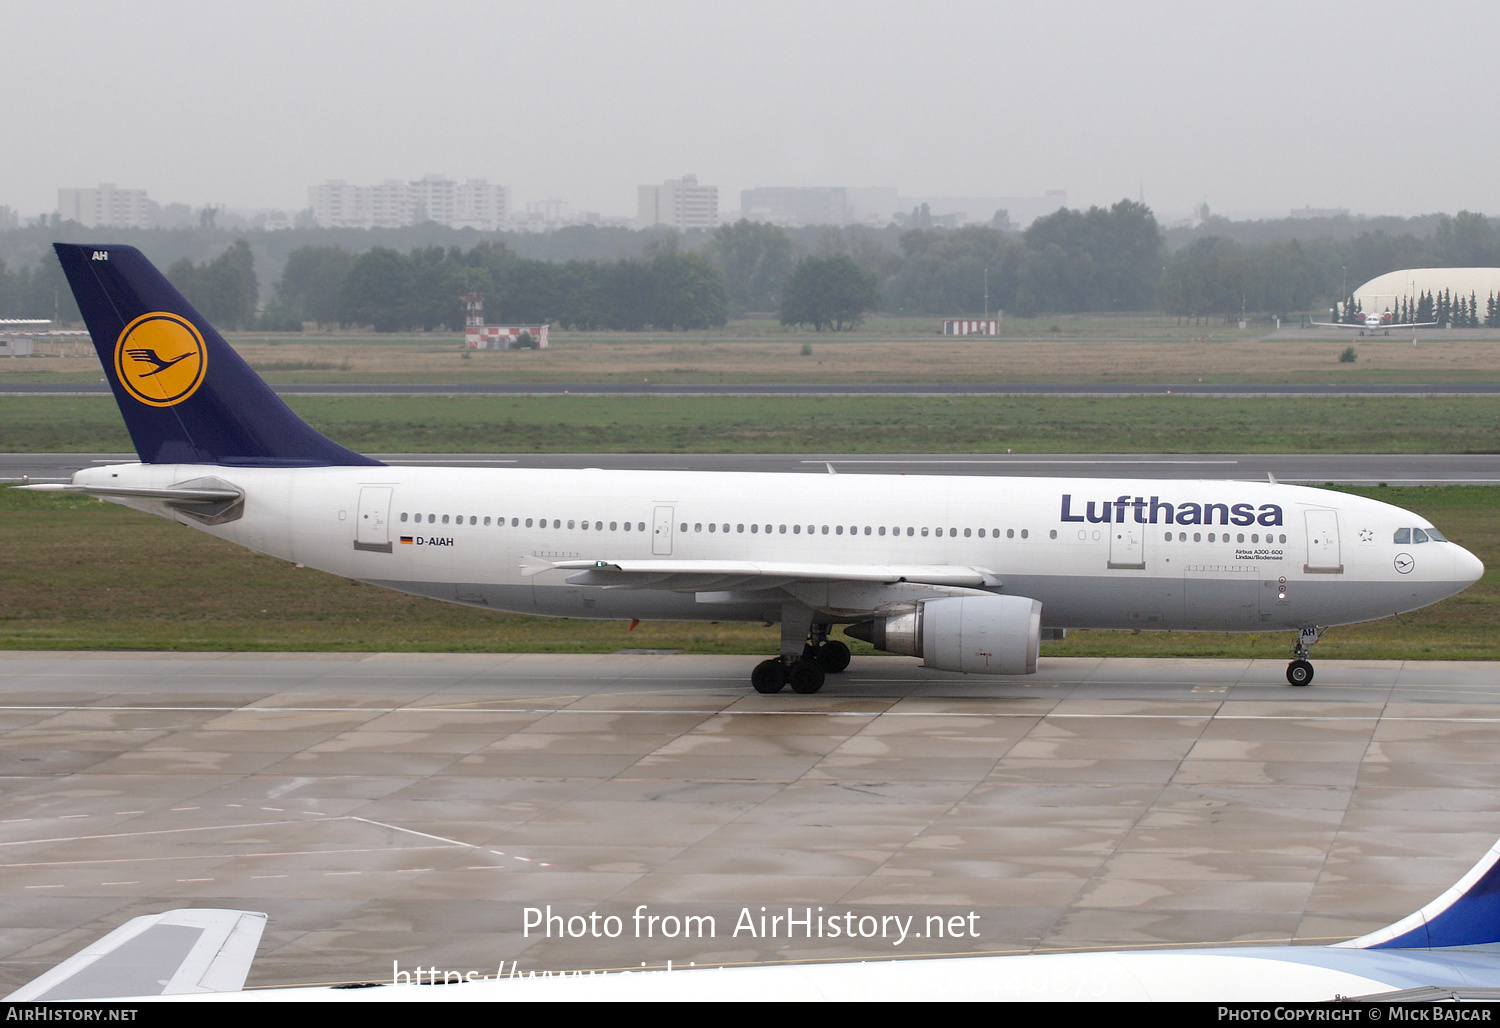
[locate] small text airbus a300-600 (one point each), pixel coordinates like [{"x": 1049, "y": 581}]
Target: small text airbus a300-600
[{"x": 968, "y": 574}]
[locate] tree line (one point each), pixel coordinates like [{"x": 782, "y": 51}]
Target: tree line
[
  {"x": 1221, "y": 268},
  {"x": 1069, "y": 261},
  {"x": 1100, "y": 259},
  {"x": 422, "y": 289}
]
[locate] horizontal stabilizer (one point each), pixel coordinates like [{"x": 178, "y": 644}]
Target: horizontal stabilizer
[
  {"x": 180, "y": 952},
  {"x": 179, "y": 493},
  {"x": 209, "y": 500}
]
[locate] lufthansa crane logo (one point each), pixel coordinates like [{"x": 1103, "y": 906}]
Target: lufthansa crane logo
[{"x": 160, "y": 359}]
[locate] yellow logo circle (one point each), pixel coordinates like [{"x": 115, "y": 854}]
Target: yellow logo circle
[{"x": 160, "y": 359}]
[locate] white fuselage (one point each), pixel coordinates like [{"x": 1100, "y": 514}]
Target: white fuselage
[{"x": 1205, "y": 555}]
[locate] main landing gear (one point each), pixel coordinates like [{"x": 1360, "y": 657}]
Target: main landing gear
[
  {"x": 1300, "y": 670},
  {"x": 803, "y": 669}
]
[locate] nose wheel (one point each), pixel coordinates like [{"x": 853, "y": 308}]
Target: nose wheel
[{"x": 1300, "y": 671}]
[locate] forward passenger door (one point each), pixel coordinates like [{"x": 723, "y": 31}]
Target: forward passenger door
[{"x": 1323, "y": 555}]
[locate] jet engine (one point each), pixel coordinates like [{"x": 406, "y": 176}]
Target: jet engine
[{"x": 981, "y": 635}]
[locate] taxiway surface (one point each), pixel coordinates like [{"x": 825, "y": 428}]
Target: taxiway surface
[{"x": 410, "y": 808}]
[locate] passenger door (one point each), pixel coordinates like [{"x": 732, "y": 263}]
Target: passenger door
[
  {"x": 661, "y": 533},
  {"x": 1323, "y": 556},
  {"x": 372, "y": 530},
  {"x": 1127, "y": 546}
]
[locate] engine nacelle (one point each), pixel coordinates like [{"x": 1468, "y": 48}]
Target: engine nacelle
[{"x": 980, "y": 635}]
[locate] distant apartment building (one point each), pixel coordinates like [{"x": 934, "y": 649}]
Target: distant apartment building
[
  {"x": 873, "y": 205},
  {"x": 105, "y": 206},
  {"x": 957, "y": 211},
  {"x": 396, "y": 203},
  {"x": 679, "y": 203},
  {"x": 794, "y": 206}
]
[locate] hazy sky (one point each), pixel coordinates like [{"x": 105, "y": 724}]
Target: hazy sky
[{"x": 1258, "y": 106}]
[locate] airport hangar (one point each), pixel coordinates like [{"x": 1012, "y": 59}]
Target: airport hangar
[{"x": 1385, "y": 292}]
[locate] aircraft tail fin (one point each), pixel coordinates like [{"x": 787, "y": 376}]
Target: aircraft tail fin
[
  {"x": 1468, "y": 914},
  {"x": 186, "y": 396}
]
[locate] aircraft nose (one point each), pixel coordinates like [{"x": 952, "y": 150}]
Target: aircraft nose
[{"x": 1467, "y": 568}]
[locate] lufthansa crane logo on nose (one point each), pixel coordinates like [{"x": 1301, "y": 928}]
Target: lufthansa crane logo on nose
[{"x": 160, "y": 359}]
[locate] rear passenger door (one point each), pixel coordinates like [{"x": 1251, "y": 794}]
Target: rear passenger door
[{"x": 372, "y": 529}]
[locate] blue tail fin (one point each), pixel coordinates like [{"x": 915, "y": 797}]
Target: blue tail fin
[{"x": 186, "y": 396}]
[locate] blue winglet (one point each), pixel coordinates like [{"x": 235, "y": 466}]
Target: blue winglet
[
  {"x": 1468, "y": 914},
  {"x": 186, "y": 396}
]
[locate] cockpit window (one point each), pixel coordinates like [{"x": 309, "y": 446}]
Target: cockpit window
[
  {"x": 1418, "y": 536},
  {"x": 1403, "y": 537},
  {"x": 1436, "y": 536}
]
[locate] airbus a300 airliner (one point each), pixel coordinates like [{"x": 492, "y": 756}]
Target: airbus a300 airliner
[{"x": 970, "y": 574}]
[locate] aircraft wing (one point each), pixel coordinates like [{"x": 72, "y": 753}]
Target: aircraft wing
[
  {"x": 1378, "y": 328},
  {"x": 687, "y": 575},
  {"x": 181, "y": 952}
]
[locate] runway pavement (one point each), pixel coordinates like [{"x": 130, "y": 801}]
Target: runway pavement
[
  {"x": 1312, "y": 469},
  {"x": 411, "y": 808}
]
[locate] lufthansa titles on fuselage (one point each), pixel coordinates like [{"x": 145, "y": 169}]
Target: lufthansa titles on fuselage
[{"x": 1152, "y": 511}]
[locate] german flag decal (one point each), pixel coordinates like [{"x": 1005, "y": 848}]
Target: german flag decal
[{"x": 406, "y": 540}]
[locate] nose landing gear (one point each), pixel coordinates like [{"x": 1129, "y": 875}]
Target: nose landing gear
[{"x": 1300, "y": 671}]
